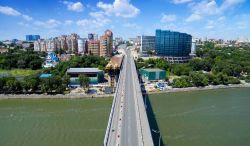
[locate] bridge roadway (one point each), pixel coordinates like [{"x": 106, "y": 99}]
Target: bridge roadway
[{"x": 128, "y": 123}]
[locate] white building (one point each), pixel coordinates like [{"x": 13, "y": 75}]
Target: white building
[
  {"x": 37, "y": 46},
  {"x": 193, "y": 49},
  {"x": 81, "y": 45},
  {"x": 43, "y": 46},
  {"x": 72, "y": 42},
  {"x": 50, "y": 45}
]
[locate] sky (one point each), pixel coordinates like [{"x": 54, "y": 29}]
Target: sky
[{"x": 225, "y": 19}]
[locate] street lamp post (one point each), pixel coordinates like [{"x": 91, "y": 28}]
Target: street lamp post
[{"x": 158, "y": 132}]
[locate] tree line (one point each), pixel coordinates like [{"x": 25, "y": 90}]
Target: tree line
[
  {"x": 20, "y": 59},
  {"x": 212, "y": 66},
  {"x": 57, "y": 83}
]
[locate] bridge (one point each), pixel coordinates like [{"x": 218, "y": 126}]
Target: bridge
[{"x": 128, "y": 123}]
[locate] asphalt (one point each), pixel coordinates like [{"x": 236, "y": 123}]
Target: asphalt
[
  {"x": 129, "y": 127},
  {"x": 129, "y": 124}
]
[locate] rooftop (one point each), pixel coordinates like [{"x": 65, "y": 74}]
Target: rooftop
[
  {"x": 83, "y": 70},
  {"x": 45, "y": 75},
  {"x": 153, "y": 69}
]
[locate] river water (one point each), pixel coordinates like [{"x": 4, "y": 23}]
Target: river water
[
  {"x": 53, "y": 122},
  {"x": 204, "y": 118}
]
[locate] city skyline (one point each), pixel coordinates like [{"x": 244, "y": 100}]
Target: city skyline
[{"x": 226, "y": 19}]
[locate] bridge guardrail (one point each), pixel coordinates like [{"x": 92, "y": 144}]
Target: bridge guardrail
[{"x": 105, "y": 141}]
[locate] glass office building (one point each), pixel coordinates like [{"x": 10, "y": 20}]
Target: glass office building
[
  {"x": 32, "y": 38},
  {"x": 147, "y": 44},
  {"x": 172, "y": 44}
]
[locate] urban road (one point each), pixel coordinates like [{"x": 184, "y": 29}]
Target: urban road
[{"x": 128, "y": 123}]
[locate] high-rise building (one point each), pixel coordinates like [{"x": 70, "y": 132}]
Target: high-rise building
[
  {"x": 147, "y": 44},
  {"x": 72, "y": 42},
  {"x": 174, "y": 46},
  {"x": 51, "y": 45},
  {"x": 61, "y": 42},
  {"x": 94, "y": 47},
  {"x": 37, "y": 46},
  {"x": 43, "y": 46},
  {"x": 92, "y": 36},
  {"x": 82, "y": 46},
  {"x": 106, "y": 44},
  {"x": 32, "y": 38}
]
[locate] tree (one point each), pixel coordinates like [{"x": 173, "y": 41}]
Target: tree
[
  {"x": 199, "y": 79},
  {"x": 66, "y": 79},
  {"x": 2, "y": 83},
  {"x": 30, "y": 83},
  {"x": 196, "y": 64},
  {"x": 181, "y": 69},
  {"x": 21, "y": 64},
  {"x": 182, "y": 82},
  {"x": 13, "y": 85},
  {"x": 247, "y": 79},
  {"x": 199, "y": 52},
  {"x": 84, "y": 81},
  {"x": 35, "y": 64}
]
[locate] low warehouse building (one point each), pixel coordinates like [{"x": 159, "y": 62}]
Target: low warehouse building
[
  {"x": 153, "y": 74},
  {"x": 95, "y": 75}
]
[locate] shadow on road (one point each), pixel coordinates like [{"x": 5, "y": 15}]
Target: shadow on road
[{"x": 151, "y": 118}]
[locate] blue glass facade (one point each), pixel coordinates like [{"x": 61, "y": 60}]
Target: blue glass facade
[
  {"x": 31, "y": 38},
  {"x": 169, "y": 43}
]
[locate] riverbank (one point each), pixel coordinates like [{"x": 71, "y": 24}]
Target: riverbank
[
  {"x": 210, "y": 87},
  {"x": 76, "y": 96},
  {"x": 57, "y": 96}
]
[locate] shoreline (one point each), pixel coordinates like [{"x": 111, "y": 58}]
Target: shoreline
[
  {"x": 82, "y": 96},
  {"x": 189, "y": 89},
  {"x": 57, "y": 96}
]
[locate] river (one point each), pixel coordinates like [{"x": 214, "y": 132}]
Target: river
[
  {"x": 204, "y": 118},
  {"x": 53, "y": 122}
]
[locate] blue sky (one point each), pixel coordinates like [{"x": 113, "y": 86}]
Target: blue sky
[{"x": 227, "y": 19}]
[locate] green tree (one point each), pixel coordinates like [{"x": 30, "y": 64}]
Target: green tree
[
  {"x": 181, "y": 69},
  {"x": 182, "y": 82},
  {"x": 84, "y": 81},
  {"x": 199, "y": 79},
  {"x": 196, "y": 64},
  {"x": 13, "y": 85},
  {"x": 30, "y": 83}
]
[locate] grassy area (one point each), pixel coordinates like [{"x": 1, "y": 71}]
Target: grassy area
[
  {"x": 202, "y": 118},
  {"x": 18, "y": 72},
  {"x": 53, "y": 122}
]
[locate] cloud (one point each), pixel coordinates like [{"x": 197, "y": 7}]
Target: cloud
[
  {"x": 181, "y": 1},
  {"x": 228, "y": 4},
  {"x": 168, "y": 18},
  {"x": 92, "y": 23},
  {"x": 98, "y": 20},
  {"x": 77, "y": 6},
  {"x": 89, "y": 23},
  {"x": 26, "y": 17},
  {"x": 51, "y": 23},
  {"x": 99, "y": 17},
  {"x": 210, "y": 7},
  {"x": 242, "y": 21},
  {"x": 12, "y": 12},
  {"x": 131, "y": 25},
  {"x": 9, "y": 11},
  {"x": 23, "y": 24},
  {"x": 193, "y": 17},
  {"x": 68, "y": 22},
  {"x": 119, "y": 8}
]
